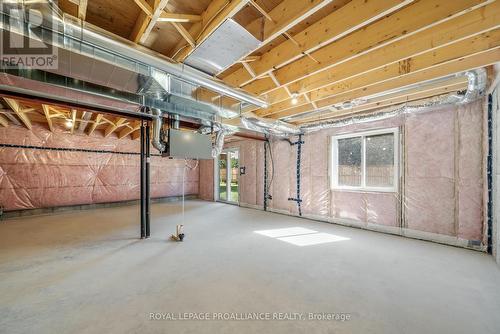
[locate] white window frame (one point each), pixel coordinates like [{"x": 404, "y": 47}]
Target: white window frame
[{"x": 334, "y": 160}]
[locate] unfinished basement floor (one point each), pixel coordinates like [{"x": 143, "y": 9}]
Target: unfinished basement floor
[{"x": 86, "y": 272}]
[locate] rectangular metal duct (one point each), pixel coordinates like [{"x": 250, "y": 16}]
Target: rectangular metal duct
[{"x": 225, "y": 46}]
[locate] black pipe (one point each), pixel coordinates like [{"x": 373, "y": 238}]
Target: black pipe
[
  {"x": 143, "y": 189},
  {"x": 489, "y": 173},
  {"x": 148, "y": 180}
]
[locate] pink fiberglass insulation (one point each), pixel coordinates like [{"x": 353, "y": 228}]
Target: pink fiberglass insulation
[
  {"x": 33, "y": 178},
  {"x": 442, "y": 169}
]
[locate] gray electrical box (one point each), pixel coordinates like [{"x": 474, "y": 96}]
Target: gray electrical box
[{"x": 191, "y": 145}]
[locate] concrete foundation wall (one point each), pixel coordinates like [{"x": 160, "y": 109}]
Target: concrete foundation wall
[
  {"x": 441, "y": 178},
  {"x": 32, "y": 178}
]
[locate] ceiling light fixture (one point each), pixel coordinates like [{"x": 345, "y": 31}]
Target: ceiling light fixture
[
  {"x": 69, "y": 123},
  {"x": 295, "y": 99}
]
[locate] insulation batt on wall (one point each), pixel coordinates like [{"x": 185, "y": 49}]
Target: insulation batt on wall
[
  {"x": 32, "y": 178},
  {"x": 440, "y": 193}
]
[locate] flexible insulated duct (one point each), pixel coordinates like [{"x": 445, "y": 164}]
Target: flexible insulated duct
[{"x": 477, "y": 81}]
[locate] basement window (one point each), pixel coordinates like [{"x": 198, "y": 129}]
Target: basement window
[{"x": 365, "y": 161}]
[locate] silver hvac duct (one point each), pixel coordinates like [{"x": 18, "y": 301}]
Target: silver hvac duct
[
  {"x": 156, "y": 140},
  {"x": 80, "y": 36},
  {"x": 477, "y": 80},
  {"x": 269, "y": 126}
]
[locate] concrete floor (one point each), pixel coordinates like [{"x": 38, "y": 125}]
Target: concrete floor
[{"x": 86, "y": 272}]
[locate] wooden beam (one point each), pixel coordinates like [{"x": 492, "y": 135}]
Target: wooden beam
[
  {"x": 95, "y": 124},
  {"x": 467, "y": 47},
  {"x": 405, "y": 23},
  {"x": 261, "y": 10},
  {"x": 184, "y": 33},
  {"x": 456, "y": 29},
  {"x": 159, "y": 6},
  {"x": 142, "y": 21},
  {"x": 46, "y": 111},
  {"x": 112, "y": 127},
  {"x": 346, "y": 19},
  {"x": 129, "y": 129},
  {"x": 82, "y": 9},
  {"x": 146, "y": 8},
  {"x": 3, "y": 121},
  {"x": 180, "y": 18},
  {"x": 456, "y": 66},
  {"x": 20, "y": 112}
]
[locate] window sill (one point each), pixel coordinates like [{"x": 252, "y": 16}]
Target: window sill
[{"x": 364, "y": 190}]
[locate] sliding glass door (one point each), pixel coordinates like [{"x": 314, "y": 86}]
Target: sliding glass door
[{"x": 229, "y": 164}]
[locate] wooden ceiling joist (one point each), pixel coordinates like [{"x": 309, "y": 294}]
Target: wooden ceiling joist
[
  {"x": 400, "y": 26},
  {"x": 455, "y": 66},
  {"x": 159, "y": 6},
  {"x": 185, "y": 34},
  {"x": 173, "y": 17},
  {"x": 438, "y": 57},
  {"x": 456, "y": 29},
  {"x": 332, "y": 27}
]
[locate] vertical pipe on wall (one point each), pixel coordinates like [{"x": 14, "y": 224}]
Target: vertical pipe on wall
[
  {"x": 143, "y": 188},
  {"x": 489, "y": 173},
  {"x": 148, "y": 180},
  {"x": 265, "y": 173}
]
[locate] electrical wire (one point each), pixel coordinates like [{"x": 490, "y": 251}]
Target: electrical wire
[{"x": 272, "y": 166}]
